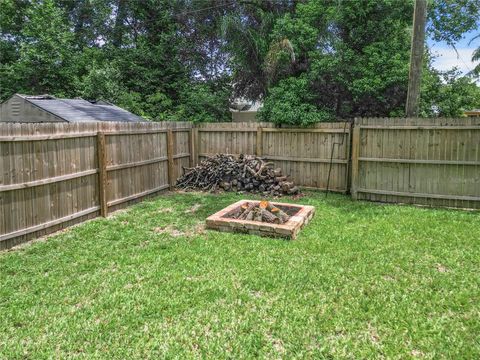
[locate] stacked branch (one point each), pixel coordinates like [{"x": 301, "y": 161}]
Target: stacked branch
[
  {"x": 244, "y": 173},
  {"x": 263, "y": 211}
]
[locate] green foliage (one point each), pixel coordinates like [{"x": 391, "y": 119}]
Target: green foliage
[
  {"x": 202, "y": 103},
  {"x": 448, "y": 94},
  {"x": 44, "y": 53},
  {"x": 450, "y": 20},
  {"x": 102, "y": 83},
  {"x": 308, "y": 61},
  {"x": 289, "y": 102}
]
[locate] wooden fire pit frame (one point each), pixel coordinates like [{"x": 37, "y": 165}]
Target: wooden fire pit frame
[{"x": 289, "y": 230}]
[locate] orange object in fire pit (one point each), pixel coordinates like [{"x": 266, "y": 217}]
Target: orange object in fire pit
[{"x": 262, "y": 218}]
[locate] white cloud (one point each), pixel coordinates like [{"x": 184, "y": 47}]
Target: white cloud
[{"x": 447, "y": 58}]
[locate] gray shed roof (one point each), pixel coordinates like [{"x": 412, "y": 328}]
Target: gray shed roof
[{"x": 79, "y": 110}]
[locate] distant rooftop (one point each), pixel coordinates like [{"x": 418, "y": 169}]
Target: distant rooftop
[
  {"x": 245, "y": 105},
  {"x": 80, "y": 110}
]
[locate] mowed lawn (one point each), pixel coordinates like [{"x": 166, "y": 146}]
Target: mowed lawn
[{"x": 363, "y": 280}]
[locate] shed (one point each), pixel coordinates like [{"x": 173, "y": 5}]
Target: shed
[
  {"x": 473, "y": 113},
  {"x": 47, "y": 108}
]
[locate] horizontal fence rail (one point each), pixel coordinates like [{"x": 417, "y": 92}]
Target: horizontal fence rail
[
  {"x": 420, "y": 161},
  {"x": 311, "y": 157},
  {"x": 55, "y": 175}
]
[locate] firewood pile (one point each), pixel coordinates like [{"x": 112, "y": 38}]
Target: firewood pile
[
  {"x": 244, "y": 173},
  {"x": 263, "y": 211}
]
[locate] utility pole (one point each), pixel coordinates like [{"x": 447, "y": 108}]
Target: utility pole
[{"x": 416, "y": 57}]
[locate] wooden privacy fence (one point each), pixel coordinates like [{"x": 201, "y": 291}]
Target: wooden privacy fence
[
  {"x": 432, "y": 162},
  {"x": 55, "y": 175},
  {"x": 313, "y": 158}
]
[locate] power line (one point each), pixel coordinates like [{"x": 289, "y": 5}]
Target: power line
[{"x": 464, "y": 63}]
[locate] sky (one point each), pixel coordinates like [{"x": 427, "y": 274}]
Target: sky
[{"x": 448, "y": 58}]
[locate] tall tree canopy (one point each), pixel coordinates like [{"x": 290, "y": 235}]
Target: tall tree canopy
[{"x": 307, "y": 60}]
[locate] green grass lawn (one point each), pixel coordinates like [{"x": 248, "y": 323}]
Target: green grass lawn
[{"x": 362, "y": 280}]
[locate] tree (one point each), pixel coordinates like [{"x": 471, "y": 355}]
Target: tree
[
  {"x": 308, "y": 60},
  {"x": 448, "y": 94},
  {"x": 352, "y": 55},
  {"x": 43, "y": 52}
]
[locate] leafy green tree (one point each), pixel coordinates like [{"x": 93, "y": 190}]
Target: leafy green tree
[
  {"x": 351, "y": 57},
  {"x": 290, "y": 102},
  {"x": 44, "y": 53},
  {"x": 309, "y": 61},
  {"x": 204, "y": 102},
  {"x": 448, "y": 94}
]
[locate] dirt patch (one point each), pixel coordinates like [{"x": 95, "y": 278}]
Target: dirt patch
[
  {"x": 170, "y": 230},
  {"x": 198, "y": 229},
  {"x": 374, "y": 338},
  {"x": 193, "y": 209},
  {"x": 417, "y": 353},
  {"x": 441, "y": 268},
  {"x": 277, "y": 344}
]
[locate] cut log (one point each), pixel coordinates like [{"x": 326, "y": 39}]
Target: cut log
[
  {"x": 264, "y": 204},
  {"x": 267, "y": 216},
  {"x": 263, "y": 211},
  {"x": 280, "y": 214},
  {"x": 247, "y": 211},
  {"x": 230, "y": 173}
]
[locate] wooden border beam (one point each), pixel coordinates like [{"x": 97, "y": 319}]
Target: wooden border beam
[
  {"x": 48, "y": 224},
  {"x": 419, "y": 195},
  {"x": 13, "y": 138},
  {"x": 136, "y": 196},
  {"x": 52, "y": 180},
  {"x": 420, "y": 161}
]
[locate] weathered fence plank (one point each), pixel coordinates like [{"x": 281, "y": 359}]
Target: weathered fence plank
[
  {"x": 102, "y": 173},
  {"x": 420, "y": 161},
  {"x": 305, "y": 154},
  {"x": 55, "y": 175}
]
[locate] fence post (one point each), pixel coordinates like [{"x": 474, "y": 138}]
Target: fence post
[
  {"x": 355, "y": 156},
  {"x": 171, "y": 177},
  {"x": 102, "y": 173},
  {"x": 259, "y": 141},
  {"x": 191, "y": 147},
  {"x": 196, "y": 145},
  {"x": 348, "y": 156}
]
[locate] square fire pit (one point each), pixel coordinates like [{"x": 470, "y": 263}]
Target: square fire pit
[{"x": 300, "y": 215}]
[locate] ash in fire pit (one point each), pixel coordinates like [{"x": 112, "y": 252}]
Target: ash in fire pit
[{"x": 262, "y": 218}]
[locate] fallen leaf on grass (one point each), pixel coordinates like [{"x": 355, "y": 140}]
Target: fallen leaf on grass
[
  {"x": 198, "y": 229},
  {"x": 276, "y": 343}
]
